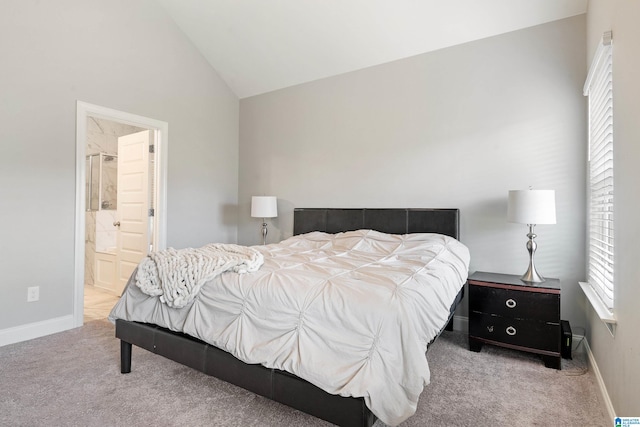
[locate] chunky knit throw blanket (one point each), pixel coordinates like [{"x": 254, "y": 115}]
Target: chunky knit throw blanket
[{"x": 176, "y": 275}]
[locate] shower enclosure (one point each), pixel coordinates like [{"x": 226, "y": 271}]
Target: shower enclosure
[
  {"x": 102, "y": 180},
  {"x": 100, "y": 232}
]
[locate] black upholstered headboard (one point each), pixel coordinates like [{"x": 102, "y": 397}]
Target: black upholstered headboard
[{"x": 392, "y": 221}]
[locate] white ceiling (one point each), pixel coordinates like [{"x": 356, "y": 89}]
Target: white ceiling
[{"x": 259, "y": 46}]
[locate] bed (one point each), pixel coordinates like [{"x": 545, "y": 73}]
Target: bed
[{"x": 282, "y": 381}]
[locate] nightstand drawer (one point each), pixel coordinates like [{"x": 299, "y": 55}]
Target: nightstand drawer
[
  {"x": 523, "y": 333},
  {"x": 544, "y": 307}
]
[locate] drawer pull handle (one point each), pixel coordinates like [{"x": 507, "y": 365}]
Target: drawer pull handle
[
  {"x": 511, "y": 331},
  {"x": 510, "y": 303}
]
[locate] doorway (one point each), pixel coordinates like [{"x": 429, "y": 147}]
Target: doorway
[{"x": 99, "y": 213}]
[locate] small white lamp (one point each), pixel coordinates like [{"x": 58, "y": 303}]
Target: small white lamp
[
  {"x": 532, "y": 207},
  {"x": 264, "y": 207}
]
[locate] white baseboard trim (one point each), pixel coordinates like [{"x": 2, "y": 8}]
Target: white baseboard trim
[
  {"x": 460, "y": 323},
  {"x": 35, "y": 330},
  {"x": 603, "y": 388}
]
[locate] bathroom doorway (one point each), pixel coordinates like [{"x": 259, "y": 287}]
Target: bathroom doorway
[{"x": 119, "y": 155}]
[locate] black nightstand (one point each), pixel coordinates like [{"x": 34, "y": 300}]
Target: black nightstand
[{"x": 505, "y": 311}]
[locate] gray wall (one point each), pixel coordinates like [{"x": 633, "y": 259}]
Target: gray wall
[
  {"x": 618, "y": 357},
  {"x": 457, "y": 127},
  {"x": 122, "y": 54}
]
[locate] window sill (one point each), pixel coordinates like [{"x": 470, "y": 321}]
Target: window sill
[{"x": 605, "y": 314}]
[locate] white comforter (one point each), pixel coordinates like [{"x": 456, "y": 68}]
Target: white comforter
[{"x": 351, "y": 312}]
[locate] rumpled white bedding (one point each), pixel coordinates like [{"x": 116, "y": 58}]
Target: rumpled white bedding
[{"x": 351, "y": 312}]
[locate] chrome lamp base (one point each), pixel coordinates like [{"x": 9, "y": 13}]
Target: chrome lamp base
[
  {"x": 264, "y": 232},
  {"x": 532, "y": 275}
]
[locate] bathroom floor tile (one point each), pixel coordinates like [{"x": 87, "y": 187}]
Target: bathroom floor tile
[{"x": 97, "y": 303}]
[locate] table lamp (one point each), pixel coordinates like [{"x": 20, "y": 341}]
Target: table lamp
[
  {"x": 532, "y": 207},
  {"x": 264, "y": 207}
]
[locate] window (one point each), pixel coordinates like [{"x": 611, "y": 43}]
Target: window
[{"x": 599, "y": 89}]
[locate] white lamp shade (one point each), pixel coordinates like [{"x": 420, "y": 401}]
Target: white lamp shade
[
  {"x": 264, "y": 206},
  {"x": 532, "y": 206}
]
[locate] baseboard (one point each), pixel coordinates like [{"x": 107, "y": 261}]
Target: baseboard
[
  {"x": 603, "y": 388},
  {"x": 35, "y": 330},
  {"x": 461, "y": 323}
]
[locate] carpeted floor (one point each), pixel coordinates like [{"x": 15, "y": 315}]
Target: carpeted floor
[{"x": 73, "y": 379}]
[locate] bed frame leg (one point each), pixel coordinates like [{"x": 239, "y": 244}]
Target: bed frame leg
[
  {"x": 125, "y": 357},
  {"x": 449, "y": 326}
]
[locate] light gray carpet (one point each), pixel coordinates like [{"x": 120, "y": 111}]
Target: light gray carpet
[{"x": 73, "y": 379}]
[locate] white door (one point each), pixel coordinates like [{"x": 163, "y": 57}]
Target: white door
[{"x": 133, "y": 203}]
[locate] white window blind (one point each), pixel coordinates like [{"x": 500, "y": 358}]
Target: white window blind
[{"x": 599, "y": 89}]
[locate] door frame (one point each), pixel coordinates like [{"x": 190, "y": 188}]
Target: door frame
[{"x": 85, "y": 110}]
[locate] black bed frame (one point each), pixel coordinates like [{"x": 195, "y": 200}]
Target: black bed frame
[{"x": 275, "y": 384}]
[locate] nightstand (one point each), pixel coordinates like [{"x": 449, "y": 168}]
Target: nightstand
[{"x": 505, "y": 311}]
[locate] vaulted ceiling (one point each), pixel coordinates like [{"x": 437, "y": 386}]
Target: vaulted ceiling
[{"x": 258, "y": 46}]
